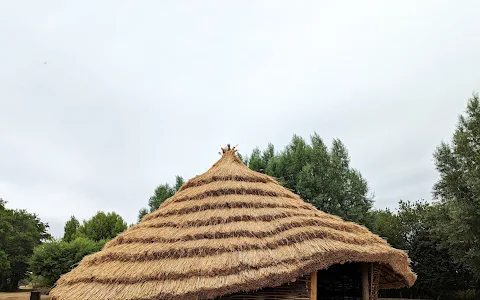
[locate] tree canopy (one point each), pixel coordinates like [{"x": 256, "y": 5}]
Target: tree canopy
[
  {"x": 102, "y": 226},
  {"x": 161, "y": 193},
  {"x": 70, "y": 229},
  {"x": 458, "y": 188},
  {"x": 50, "y": 260},
  {"x": 20, "y": 232},
  {"x": 320, "y": 175},
  {"x": 411, "y": 228}
]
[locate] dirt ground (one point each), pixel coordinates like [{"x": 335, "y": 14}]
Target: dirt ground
[{"x": 18, "y": 296}]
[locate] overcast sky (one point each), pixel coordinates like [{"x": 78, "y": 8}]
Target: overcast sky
[{"x": 101, "y": 101}]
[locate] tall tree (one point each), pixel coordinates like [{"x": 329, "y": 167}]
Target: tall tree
[
  {"x": 70, "y": 229},
  {"x": 102, "y": 226},
  {"x": 320, "y": 175},
  {"x": 20, "y": 232},
  {"x": 458, "y": 188},
  {"x": 258, "y": 160},
  {"x": 162, "y": 193}
]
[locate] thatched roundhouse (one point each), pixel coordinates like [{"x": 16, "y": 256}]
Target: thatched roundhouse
[{"x": 232, "y": 233}]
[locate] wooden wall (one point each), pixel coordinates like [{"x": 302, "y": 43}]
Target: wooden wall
[{"x": 346, "y": 281}]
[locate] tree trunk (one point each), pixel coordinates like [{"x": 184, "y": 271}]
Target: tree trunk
[
  {"x": 13, "y": 283},
  {"x": 2, "y": 283},
  {"x": 477, "y": 290}
]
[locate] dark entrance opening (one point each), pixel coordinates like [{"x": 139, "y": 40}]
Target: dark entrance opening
[{"x": 340, "y": 282}]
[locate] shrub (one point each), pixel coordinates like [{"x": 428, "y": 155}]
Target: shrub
[{"x": 50, "y": 260}]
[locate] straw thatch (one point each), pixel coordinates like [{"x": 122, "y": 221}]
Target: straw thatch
[{"x": 228, "y": 230}]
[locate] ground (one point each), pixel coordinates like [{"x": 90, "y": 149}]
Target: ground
[{"x": 18, "y": 296}]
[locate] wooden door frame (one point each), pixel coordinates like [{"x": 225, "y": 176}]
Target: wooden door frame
[
  {"x": 365, "y": 283},
  {"x": 313, "y": 286}
]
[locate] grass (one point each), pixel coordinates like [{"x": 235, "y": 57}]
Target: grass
[{"x": 19, "y": 296}]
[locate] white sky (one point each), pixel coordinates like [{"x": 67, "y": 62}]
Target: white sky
[{"x": 101, "y": 101}]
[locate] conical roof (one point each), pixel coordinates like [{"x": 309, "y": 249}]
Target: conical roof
[{"x": 228, "y": 230}]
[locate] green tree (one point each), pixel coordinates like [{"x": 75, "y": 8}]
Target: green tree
[
  {"x": 439, "y": 276},
  {"x": 320, "y": 175},
  {"x": 50, "y": 260},
  {"x": 4, "y": 263},
  {"x": 20, "y": 232},
  {"x": 401, "y": 228},
  {"x": 70, "y": 229},
  {"x": 258, "y": 160},
  {"x": 458, "y": 188},
  {"x": 411, "y": 228},
  {"x": 102, "y": 226},
  {"x": 162, "y": 193},
  {"x": 388, "y": 225}
]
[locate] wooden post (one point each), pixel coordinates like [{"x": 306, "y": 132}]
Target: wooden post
[
  {"x": 365, "y": 285},
  {"x": 313, "y": 286},
  {"x": 35, "y": 296}
]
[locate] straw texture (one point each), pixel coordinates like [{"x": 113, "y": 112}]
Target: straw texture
[{"x": 228, "y": 230}]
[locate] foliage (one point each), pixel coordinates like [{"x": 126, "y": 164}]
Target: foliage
[
  {"x": 411, "y": 229},
  {"x": 443, "y": 239},
  {"x": 52, "y": 259},
  {"x": 70, "y": 229},
  {"x": 102, "y": 226},
  {"x": 162, "y": 193},
  {"x": 320, "y": 175},
  {"x": 142, "y": 213},
  {"x": 459, "y": 188},
  {"x": 36, "y": 281},
  {"x": 401, "y": 228},
  {"x": 387, "y": 225},
  {"x": 437, "y": 272},
  {"x": 20, "y": 232},
  {"x": 4, "y": 263}
]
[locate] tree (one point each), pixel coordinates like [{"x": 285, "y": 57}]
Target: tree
[
  {"x": 320, "y": 175},
  {"x": 20, "y": 232},
  {"x": 438, "y": 273},
  {"x": 387, "y": 225},
  {"x": 411, "y": 229},
  {"x": 4, "y": 263},
  {"x": 102, "y": 227},
  {"x": 401, "y": 228},
  {"x": 162, "y": 193},
  {"x": 258, "y": 160},
  {"x": 50, "y": 260},
  {"x": 458, "y": 188},
  {"x": 70, "y": 229}
]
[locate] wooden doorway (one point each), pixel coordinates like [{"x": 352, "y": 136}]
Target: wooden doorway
[{"x": 338, "y": 282}]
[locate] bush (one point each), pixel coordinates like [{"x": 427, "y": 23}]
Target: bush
[{"x": 50, "y": 260}]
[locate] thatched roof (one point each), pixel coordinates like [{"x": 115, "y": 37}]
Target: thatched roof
[{"x": 228, "y": 230}]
